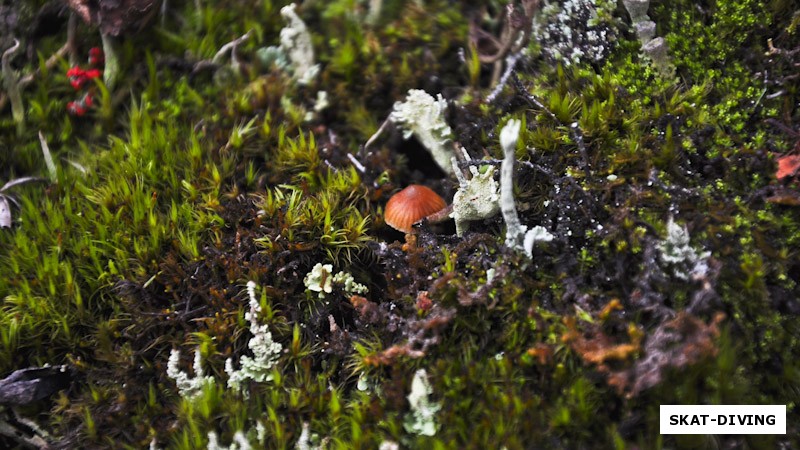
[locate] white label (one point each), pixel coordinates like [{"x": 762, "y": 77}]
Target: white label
[{"x": 723, "y": 419}]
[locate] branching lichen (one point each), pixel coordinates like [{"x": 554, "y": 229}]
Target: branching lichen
[
  {"x": 652, "y": 46},
  {"x": 239, "y": 442},
  {"x": 515, "y": 231},
  {"x": 476, "y": 199},
  {"x": 422, "y": 417},
  {"x": 296, "y": 44},
  {"x": 188, "y": 386},
  {"x": 265, "y": 351},
  {"x": 422, "y": 116},
  {"x": 677, "y": 252},
  {"x": 322, "y": 280}
]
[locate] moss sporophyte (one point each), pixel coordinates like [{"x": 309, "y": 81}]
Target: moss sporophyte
[{"x": 208, "y": 257}]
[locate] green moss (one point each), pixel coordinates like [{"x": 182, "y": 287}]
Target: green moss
[{"x": 186, "y": 187}]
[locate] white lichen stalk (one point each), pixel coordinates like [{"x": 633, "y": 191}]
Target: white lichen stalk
[
  {"x": 296, "y": 44},
  {"x": 421, "y": 419},
  {"x": 517, "y": 235},
  {"x": 515, "y": 231}
]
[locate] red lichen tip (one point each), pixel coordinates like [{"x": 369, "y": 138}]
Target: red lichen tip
[
  {"x": 96, "y": 56},
  {"x": 411, "y": 205}
]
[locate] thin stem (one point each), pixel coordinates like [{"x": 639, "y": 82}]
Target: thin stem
[
  {"x": 111, "y": 71},
  {"x": 12, "y": 87}
]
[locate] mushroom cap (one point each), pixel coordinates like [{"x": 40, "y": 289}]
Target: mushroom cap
[{"x": 411, "y": 205}]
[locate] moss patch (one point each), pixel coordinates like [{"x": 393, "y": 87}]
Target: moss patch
[{"x": 204, "y": 170}]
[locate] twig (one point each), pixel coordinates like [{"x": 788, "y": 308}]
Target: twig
[
  {"x": 511, "y": 62},
  {"x": 216, "y": 62},
  {"x": 230, "y": 46},
  {"x": 26, "y": 81},
  {"x": 577, "y": 136},
  {"x": 377, "y": 134},
  {"x": 360, "y": 167},
  {"x": 514, "y": 36},
  {"x": 72, "y": 44},
  {"x": 51, "y": 62},
  {"x": 499, "y": 162},
  {"x": 791, "y": 132},
  {"x": 12, "y": 87}
]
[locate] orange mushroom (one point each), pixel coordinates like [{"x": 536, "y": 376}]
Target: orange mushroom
[{"x": 411, "y": 205}]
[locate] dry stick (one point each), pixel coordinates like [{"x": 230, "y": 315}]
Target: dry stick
[
  {"x": 377, "y": 134},
  {"x": 216, "y": 61},
  {"x": 51, "y": 62},
  {"x": 230, "y": 46},
  {"x": 356, "y": 163},
  {"x": 511, "y": 62},
  {"x": 12, "y": 87},
  {"x": 25, "y": 81},
  {"x": 513, "y": 37},
  {"x": 499, "y": 162}
]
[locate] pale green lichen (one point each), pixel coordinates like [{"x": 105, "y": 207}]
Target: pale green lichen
[
  {"x": 677, "y": 252},
  {"x": 348, "y": 284},
  {"x": 422, "y": 116},
  {"x": 322, "y": 102},
  {"x": 422, "y": 417},
  {"x": 239, "y": 442},
  {"x": 534, "y": 235},
  {"x": 321, "y": 280},
  {"x": 477, "y": 199},
  {"x": 308, "y": 440},
  {"x": 188, "y": 386},
  {"x": 296, "y": 44},
  {"x": 265, "y": 351}
]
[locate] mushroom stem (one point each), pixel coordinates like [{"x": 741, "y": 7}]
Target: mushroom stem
[{"x": 439, "y": 216}]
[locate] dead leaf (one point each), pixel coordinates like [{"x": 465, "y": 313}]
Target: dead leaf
[
  {"x": 788, "y": 166},
  {"x": 599, "y": 347},
  {"x": 784, "y": 196}
]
